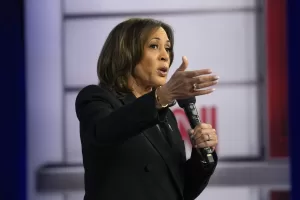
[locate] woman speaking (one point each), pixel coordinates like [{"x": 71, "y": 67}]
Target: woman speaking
[{"x": 131, "y": 145}]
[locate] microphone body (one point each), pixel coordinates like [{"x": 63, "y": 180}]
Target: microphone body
[{"x": 192, "y": 114}]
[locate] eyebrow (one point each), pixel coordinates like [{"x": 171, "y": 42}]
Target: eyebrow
[{"x": 159, "y": 39}]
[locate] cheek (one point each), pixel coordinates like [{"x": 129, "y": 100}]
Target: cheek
[{"x": 144, "y": 71}]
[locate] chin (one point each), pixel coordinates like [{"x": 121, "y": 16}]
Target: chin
[{"x": 159, "y": 82}]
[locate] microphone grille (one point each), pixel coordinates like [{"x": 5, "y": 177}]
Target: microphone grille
[{"x": 183, "y": 102}]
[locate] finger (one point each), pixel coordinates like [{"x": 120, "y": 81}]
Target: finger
[
  {"x": 206, "y": 144},
  {"x": 203, "y": 128},
  {"x": 203, "y": 92},
  {"x": 203, "y": 79},
  {"x": 198, "y": 131},
  {"x": 213, "y": 148},
  {"x": 192, "y": 74},
  {"x": 183, "y": 65},
  {"x": 191, "y": 132},
  {"x": 205, "y": 137},
  {"x": 206, "y": 84},
  {"x": 206, "y": 126}
]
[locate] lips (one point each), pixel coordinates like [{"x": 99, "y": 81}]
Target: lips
[{"x": 163, "y": 71}]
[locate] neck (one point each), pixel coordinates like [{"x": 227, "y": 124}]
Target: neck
[
  {"x": 139, "y": 89},
  {"x": 138, "y": 92}
]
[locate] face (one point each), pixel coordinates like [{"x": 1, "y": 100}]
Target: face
[{"x": 153, "y": 69}]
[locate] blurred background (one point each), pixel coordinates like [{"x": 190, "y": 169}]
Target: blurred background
[{"x": 50, "y": 50}]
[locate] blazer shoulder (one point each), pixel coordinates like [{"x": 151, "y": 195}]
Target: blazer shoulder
[
  {"x": 94, "y": 93},
  {"x": 91, "y": 89}
]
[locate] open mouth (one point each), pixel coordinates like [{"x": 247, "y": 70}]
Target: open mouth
[{"x": 163, "y": 71}]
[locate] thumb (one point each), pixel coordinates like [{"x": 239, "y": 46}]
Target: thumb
[
  {"x": 184, "y": 64},
  {"x": 191, "y": 132}
]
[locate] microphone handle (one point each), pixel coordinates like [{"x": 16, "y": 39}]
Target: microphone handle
[{"x": 193, "y": 117}]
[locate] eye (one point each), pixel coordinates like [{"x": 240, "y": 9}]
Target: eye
[
  {"x": 168, "y": 49},
  {"x": 154, "y": 46}
]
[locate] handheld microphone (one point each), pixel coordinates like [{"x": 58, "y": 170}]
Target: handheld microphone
[{"x": 192, "y": 114}]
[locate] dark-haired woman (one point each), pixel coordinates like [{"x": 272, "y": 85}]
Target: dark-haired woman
[{"x": 131, "y": 145}]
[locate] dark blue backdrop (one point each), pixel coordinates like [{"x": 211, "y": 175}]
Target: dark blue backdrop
[
  {"x": 12, "y": 102},
  {"x": 293, "y": 24}
]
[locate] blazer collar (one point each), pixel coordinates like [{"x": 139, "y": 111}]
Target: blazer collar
[
  {"x": 128, "y": 98},
  {"x": 125, "y": 99}
]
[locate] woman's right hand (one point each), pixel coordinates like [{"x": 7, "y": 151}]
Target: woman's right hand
[{"x": 184, "y": 84}]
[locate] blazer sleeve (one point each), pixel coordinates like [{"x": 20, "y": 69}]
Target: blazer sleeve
[
  {"x": 197, "y": 175},
  {"x": 103, "y": 125}
]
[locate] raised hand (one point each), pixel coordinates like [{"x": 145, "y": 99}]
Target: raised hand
[{"x": 184, "y": 84}]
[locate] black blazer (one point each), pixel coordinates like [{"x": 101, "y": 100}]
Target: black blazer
[{"x": 132, "y": 151}]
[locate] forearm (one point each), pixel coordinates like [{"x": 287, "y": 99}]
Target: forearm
[
  {"x": 129, "y": 120},
  {"x": 103, "y": 125}
]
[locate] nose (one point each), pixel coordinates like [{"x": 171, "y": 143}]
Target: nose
[{"x": 164, "y": 55}]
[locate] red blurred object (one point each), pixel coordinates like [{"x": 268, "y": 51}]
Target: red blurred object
[
  {"x": 277, "y": 78},
  {"x": 280, "y": 195}
]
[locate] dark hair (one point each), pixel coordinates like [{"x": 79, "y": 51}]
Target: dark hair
[{"x": 123, "y": 50}]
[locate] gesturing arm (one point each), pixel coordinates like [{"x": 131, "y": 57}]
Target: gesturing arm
[{"x": 101, "y": 124}]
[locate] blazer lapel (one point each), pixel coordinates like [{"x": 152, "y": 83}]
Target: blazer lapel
[
  {"x": 155, "y": 137},
  {"x": 163, "y": 148}
]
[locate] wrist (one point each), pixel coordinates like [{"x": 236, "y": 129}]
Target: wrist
[{"x": 163, "y": 96}]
